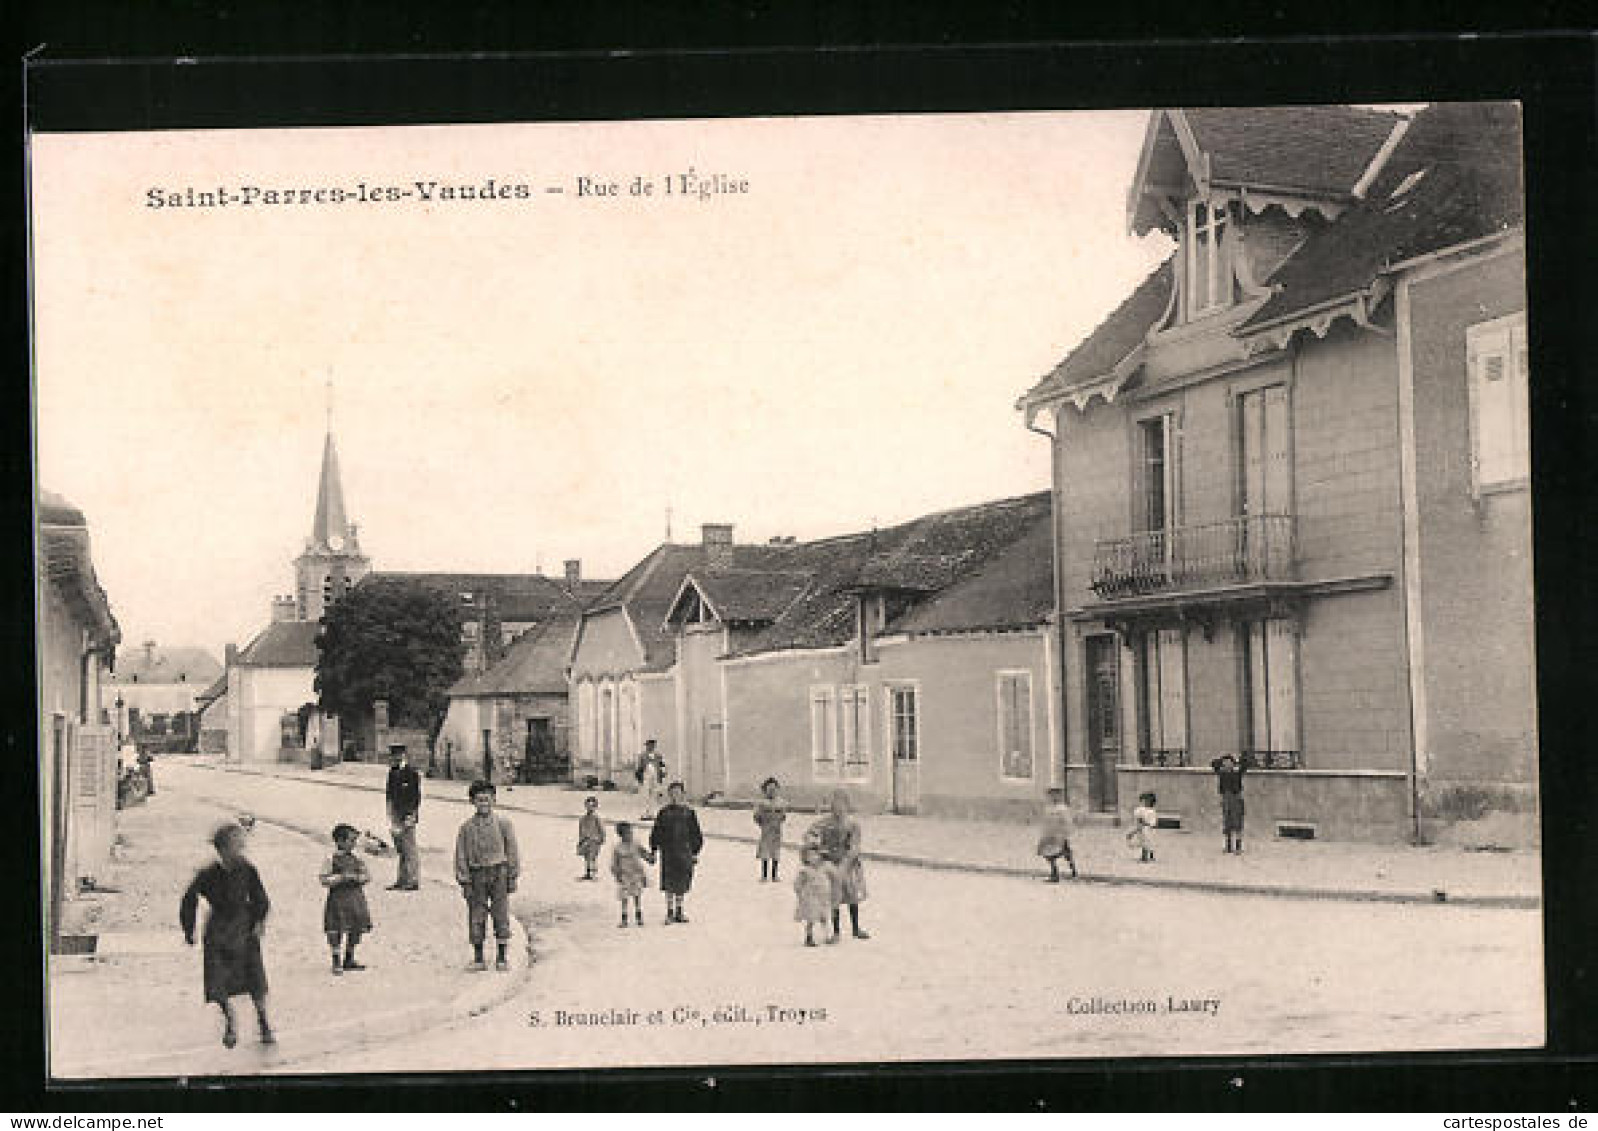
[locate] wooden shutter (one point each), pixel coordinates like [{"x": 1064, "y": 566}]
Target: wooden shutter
[
  {"x": 1282, "y": 657},
  {"x": 1173, "y": 690},
  {"x": 823, "y": 732}
]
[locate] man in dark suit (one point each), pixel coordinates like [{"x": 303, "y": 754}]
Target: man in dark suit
[{"x": 404, "y": 808}]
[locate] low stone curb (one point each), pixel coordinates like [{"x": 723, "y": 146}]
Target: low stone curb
[{"x": 1279, "y": 891}]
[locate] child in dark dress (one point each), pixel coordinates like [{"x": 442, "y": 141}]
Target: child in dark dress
[
  {"x": 677, "y": 840},
  {"x": 590, "y": 837},
  {"x": 345, "y": 916},
  {"x": 1229, "y": 773},
  {"x": 232, "y": 888}
]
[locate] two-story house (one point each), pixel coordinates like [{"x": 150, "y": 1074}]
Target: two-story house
[{"x": 1291, "y": 480}]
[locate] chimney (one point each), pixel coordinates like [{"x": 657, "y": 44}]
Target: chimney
[
  {"x": 574, "y": 572},
  {"x": 282, "y": 609},
  {"x": 717, "y": 540},
  {"x": 149, "y": 653},
  {"x": 230, "y": 655}
]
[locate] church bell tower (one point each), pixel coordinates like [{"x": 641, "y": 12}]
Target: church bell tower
[{"x": 332, "y": 561}]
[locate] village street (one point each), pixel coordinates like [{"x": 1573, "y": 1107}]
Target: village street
[{"x": 959, "y": 965}]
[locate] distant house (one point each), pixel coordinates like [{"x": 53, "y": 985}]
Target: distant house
[
  {"x": 911, "y": 665},
  {"x": 1282, "y": 466},
  {"x": 77, "y": 640},
  {"x": 211, "y": 712},
  {"x": 155, "y": 691},
  {"x": 268, "y": 682},
  {"x": 511, "y": 722},
  {"x": 496, "y": 611}
]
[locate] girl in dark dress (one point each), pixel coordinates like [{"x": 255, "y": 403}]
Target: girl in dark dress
[
  {"x": 232, "y": 936},
  {"x": 677, "y": 840},
  {"x": 345, "y": 917}
]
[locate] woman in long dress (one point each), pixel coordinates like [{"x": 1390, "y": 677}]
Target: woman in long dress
[{"x": 232, "y": 888}]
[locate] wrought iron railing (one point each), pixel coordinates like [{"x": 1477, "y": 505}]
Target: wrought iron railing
[
  {"x": 1275, "y": 759},
  {"x": 1249, "y": 548},
  {"x": 1163, "y": 758}
]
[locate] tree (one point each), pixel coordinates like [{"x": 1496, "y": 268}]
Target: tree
[{"x": 394, "y": 639}]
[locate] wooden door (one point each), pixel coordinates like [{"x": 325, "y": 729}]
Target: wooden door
[{"x": 1104, "y": 721}]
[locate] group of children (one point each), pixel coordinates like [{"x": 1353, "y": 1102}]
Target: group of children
[
  {"x": 832, "y": 875},
  {"x": 487, "y": 864}
]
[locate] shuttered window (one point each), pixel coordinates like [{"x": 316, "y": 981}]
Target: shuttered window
[
  {"x": 823, "y": 733},
  {"x": 1272, "y": 699},
  {"x": 1496, "y": 355},
  {"x": 854, "y": 712},
  {"x": 1015, "y": 725},
  {"x": 1164, "y": 699}
]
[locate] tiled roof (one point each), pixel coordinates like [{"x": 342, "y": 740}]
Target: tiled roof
[
  {"x": 535, "y": 663},
  {"x": 1114, "y": 338},
  {"x": 749, "y": 595},
  {"x": 179, "y": 664},
  {"x": 517, "y": 596},
  {"x": 283, "y": 644},
  {"x": 935, "y": 554},
  {"x": 1320, "y": 150},
  {"x": 1459, "y": 168},
  {"x": 66, "y": 560},
  {"x": 1014, "y": 590}
]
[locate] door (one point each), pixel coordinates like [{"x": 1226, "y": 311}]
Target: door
[
  {"x": 712, "y": 769},
  {"x": 904, "y": 739},
  {"x": 1104, "y": 721},
  {"x": 538, "y": 758}
]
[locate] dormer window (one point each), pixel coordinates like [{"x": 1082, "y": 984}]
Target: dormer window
[{"x": 1207, "y": 258}]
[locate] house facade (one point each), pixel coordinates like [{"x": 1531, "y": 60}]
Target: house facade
[
  {"x": 912, "y": 666},
  {"x": 77, "y": 636},
  {"x": 156, "y": 693},
  {"x": 512, "y": 722},
  {"x": 1278, "y": 466},
  {"x": 268, "y": 682}
]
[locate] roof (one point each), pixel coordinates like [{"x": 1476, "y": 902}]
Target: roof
[
  {"x": 211, "y": 694},
  {"x": 1453, "y": 178},
  {"x": 750, "y": 596},
  {"x": 535, "y": 662},
  {"x": 647, "y": 591},
  {"x": 1114, "y": 339},
  {"x": 65, "y": 559},
  {"x": 1317, "y": 150},
  {"x": 283, "y": 644},
  {"x": 516, "y": 596},
  {"x": 925, "y": 562},
  {"x": 176, "y": 664}
]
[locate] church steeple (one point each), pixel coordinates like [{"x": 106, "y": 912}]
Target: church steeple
[
  {"x": 332, "y": 562},
  {"x": 331, "y": 522}
]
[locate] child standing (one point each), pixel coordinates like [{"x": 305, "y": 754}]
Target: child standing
[
  {"x": 1229, "y": 781},
  {"x": 837, "y": 836},
  {"x": 232, "y": 939},
  {"x": 486, "y": 866},
  {"x": 1144, "y": 820},
  {"x": 813, "y": 887},
  {"x": 590, "y": 835},
  {"x": 345, "y": 916},
  {"x": 770, "y": 812},
  {"x": 627, "y": 865},
  {"x": 677, "y": 839},
  {"x": 1054, "y": 837}
]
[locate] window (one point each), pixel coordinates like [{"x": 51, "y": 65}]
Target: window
[
  {"x": 1158, "y": 469},
  {"x": 1500, "y": 434},
  {"x": 327, "y": 592},
  {"x": 1162, "y": 668},
  {"x": 585, "y": 721},
  {"x": 905, "y": 731},
  {"x": 1015, "y": 725},
  {"x": 823, "y": 733},
  {"x": 1264, "y": 481},
  {"x": 1207, "y": 258},
  {"x": 1270, "y": 703},
  {"x": 854, "y": 709}
]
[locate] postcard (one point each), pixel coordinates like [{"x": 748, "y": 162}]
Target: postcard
[{"x": 785, "y": 591}]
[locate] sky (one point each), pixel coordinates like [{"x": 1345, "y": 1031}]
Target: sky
[{"x": 835, "y": 337}]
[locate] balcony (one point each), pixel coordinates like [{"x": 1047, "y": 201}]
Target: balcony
[{"x": 1244, "y": 550}]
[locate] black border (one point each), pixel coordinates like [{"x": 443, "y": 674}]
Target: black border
[{"x": 843, "y": 71}]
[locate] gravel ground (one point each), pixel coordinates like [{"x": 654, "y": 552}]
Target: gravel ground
[{"x": 961, "y": 965}]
